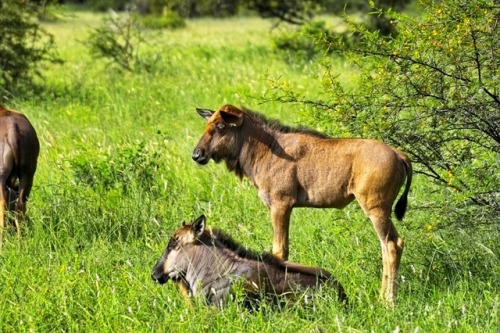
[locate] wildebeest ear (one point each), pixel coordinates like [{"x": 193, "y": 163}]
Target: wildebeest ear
[
  {"x": 199, "y": 225},
  {"x": 232, "y": 119},
  {"x": 205, "y": 113}
]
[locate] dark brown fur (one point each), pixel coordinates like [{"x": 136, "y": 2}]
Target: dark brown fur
[
  {"x": 19, "y": 149},
  {"x": 208, "y": 263},
  {"x": 295, "y": 167}
]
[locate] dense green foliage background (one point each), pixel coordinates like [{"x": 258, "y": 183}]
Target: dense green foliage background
[
  {"x": 115, "y": 178},
  {"x": 431, "y": 90},
  {"x": 23, "y": 45}
]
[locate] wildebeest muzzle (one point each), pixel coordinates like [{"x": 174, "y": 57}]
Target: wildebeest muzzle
[{"x": 200, "y": 156}]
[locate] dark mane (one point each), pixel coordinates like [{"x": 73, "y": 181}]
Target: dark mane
[
  {"x": 220, "y": 238},
  {"x": 276, "y": 125},
  {"x": 270, "y": 127}
]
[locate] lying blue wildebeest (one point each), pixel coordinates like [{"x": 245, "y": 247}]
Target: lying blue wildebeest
[
  {"x": 208, "y": 263},
  {"x": 294, "y": 167},
  {"x": 19, "y": 149}
]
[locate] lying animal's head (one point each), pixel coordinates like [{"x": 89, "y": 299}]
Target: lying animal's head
[{"x": 175, "y": 261}]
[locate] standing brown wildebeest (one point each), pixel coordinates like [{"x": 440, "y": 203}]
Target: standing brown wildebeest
[
  {"x": 208, "y": 263},
  {"x": 19, "y": 149},
  {"x": 301, "y": 168}
]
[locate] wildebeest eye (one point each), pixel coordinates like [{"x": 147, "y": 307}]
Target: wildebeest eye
[
  {"x": 220, "y": 127},
  {"x": 172, "y": 243}
]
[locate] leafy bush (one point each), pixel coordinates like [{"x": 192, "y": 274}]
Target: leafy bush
[
  {"x": 118, "y": 39},
  {"x": 432, "y": 91},
  {"x": 293, "y": 12},
  {"x": 24, "y": 47},
  {"x": 197, "y": 8},
  {"x": 169, "y": 20},
  {"x": 306, "y": 42},
  {"x": 133, "y": 165},
  {"x": 104, "y": 5}
]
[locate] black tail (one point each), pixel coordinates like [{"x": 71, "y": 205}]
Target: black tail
[{"x": 400, "y": 208}]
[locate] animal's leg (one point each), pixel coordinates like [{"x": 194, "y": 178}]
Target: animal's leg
[
  {"x": 395, "y": 247},
  {"x": 2, "y": 221},
  {"x": 25, "y": 184},
  {"x": 17, "y": 223},
  {"x": 280, "y": 215},
  {"x": 3, "y": 209},
  {"x": 11, "y": 204},
  {"x": 185, "y": 292},
  {"x": 392, "y": 250}
]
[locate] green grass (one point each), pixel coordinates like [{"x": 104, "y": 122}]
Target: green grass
[{"x": 115, "y": 178}]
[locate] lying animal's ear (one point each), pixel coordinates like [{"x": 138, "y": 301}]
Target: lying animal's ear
[
  {"x": 205, "y": 113},
  {"x": 232, "y": 119},
  {"x": 199, "y": 226}
]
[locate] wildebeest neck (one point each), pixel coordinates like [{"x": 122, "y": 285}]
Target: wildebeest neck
[
  {"x": 256, "y": 141},
  {"x": 212, "y": 272}
]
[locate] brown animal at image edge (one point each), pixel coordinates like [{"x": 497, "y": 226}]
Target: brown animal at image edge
[
  {"x": 297, "y": 167},
  {"x": 207, "y": 262},
  {"x": 19, "y": 149}
]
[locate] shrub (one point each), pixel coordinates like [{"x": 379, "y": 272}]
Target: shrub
[
  {"x": 197, "y": 8},
  {"x": 131, "y": 166},
  {"x": 118, "y": 39},
  {"x": 104, "y": 5},
  {"x": 306, "y": 42},
  {"x": 432, "y": 91},
  {"x": 169, "y": 20},
  {"x": 24, "y": 47}
]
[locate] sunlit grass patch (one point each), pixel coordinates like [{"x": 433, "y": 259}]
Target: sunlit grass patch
[{"x": 115, "y": 179}]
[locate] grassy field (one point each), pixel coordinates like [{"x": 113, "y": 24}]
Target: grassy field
[{"x": 115, "y": 178}]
